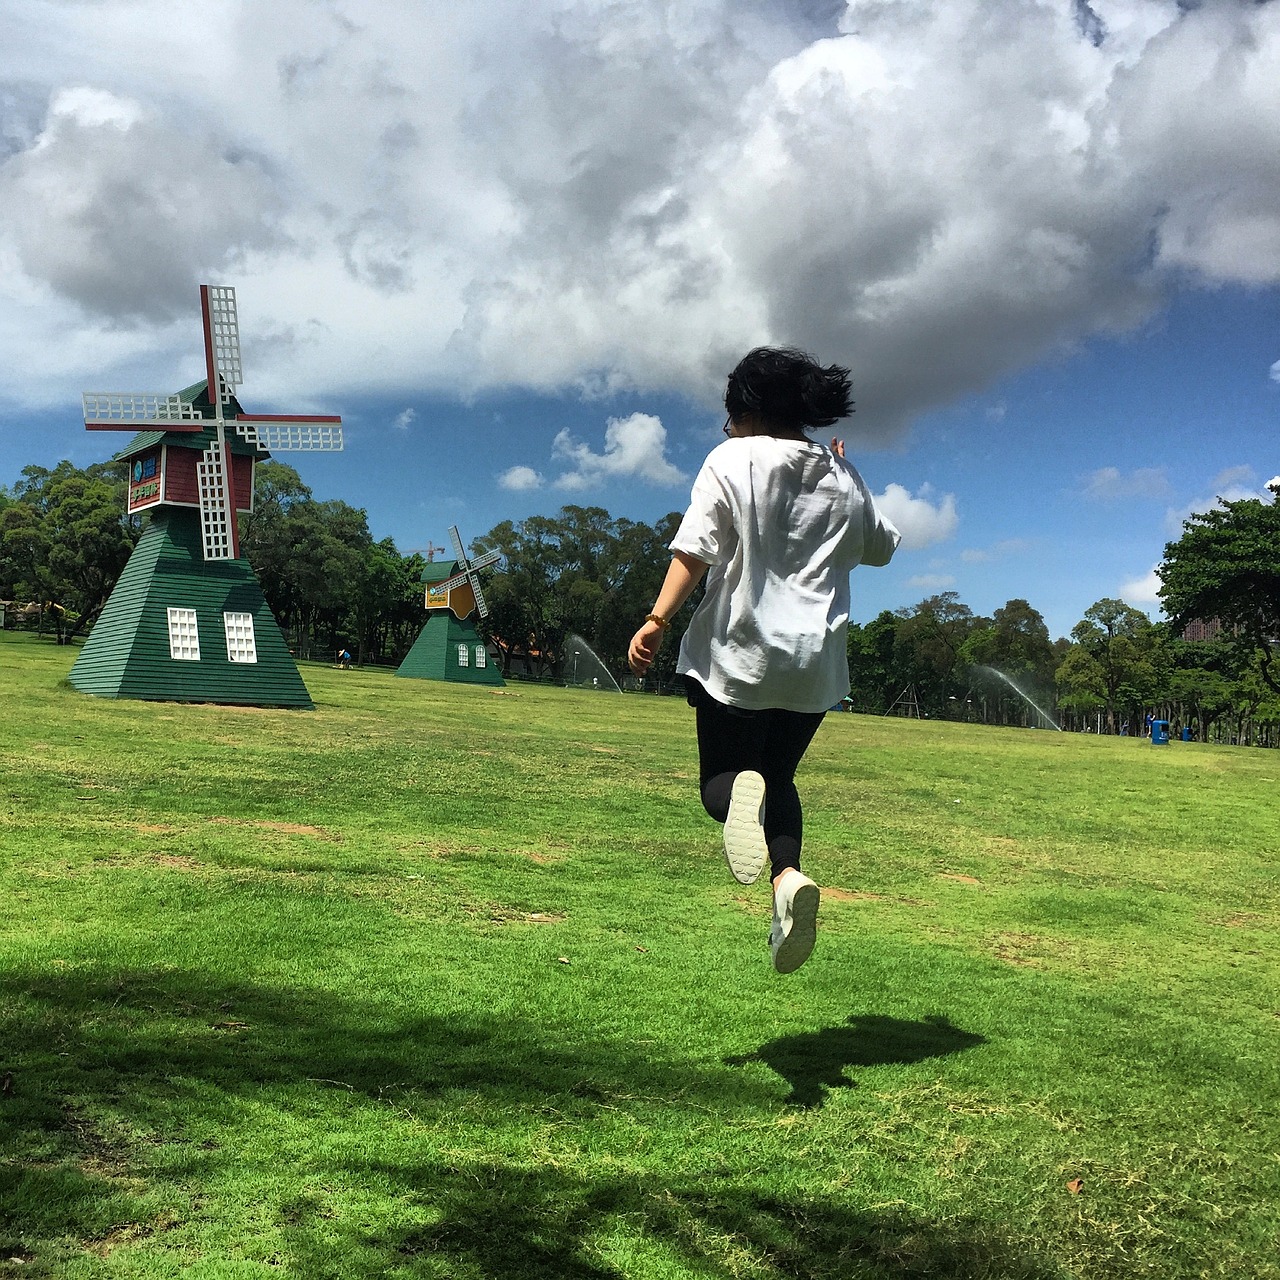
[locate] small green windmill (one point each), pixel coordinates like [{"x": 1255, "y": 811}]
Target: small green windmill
[
  {"x": 449, "y": 647},
  {"x": 187, "y": 621}
]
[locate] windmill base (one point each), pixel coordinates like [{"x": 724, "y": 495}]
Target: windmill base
[
  {"x": 128, "y": 653},
  {"x": 438, "y": 649}
]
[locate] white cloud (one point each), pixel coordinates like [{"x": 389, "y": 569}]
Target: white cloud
[
  {"x": 557, "y": 195},
  {"x": 122, "y": 212},
  {"x": 1233, "y": 479},
  {"x": 998, "y": 551},
  {"x": 404, "y": 418},
  {"x": 519, "y": 479},
  {"x": 921, "y": 520},
  {"x": 634, "y": 448},
  {"x": 1230, "y": 485},
  {"x": 1275, "y": 372},
  {"x": 1142, "y": 591},
  {"x": 932, "y": 581},
  {"x": 1109, "y": 484}
]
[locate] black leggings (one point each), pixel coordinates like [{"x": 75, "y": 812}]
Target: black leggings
[{"x": 772, "y": 742}]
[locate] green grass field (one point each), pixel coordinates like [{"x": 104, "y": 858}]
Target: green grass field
[{"x": 439, "y": 982}]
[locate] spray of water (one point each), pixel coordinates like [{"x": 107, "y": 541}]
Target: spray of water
[
  {"x": 581, "y": 667},
  {"x": 1030, "y": 701}
]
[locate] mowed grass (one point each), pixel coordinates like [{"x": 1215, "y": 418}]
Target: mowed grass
[{"x": 439, "y": 982}]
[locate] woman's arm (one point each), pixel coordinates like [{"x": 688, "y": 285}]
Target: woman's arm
[{"x": 684, "y": 573}]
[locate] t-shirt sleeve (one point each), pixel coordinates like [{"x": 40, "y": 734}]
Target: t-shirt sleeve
[
  {"x": 881, "y": 537},
  {"x": 707, "y": 532}
]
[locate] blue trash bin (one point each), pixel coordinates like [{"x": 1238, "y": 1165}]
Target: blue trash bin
[
  {"x": 1186, "y": 734},
  {"x": 1159, "y": 733}
]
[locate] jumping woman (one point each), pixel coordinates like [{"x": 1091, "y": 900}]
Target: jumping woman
[{"x": 779, "y": 521}]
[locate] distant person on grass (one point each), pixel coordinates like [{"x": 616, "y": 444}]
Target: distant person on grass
[{"x": 779, "y": 521}]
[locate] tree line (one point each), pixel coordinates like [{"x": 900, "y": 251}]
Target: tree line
[{"x": 64, "y": 538}]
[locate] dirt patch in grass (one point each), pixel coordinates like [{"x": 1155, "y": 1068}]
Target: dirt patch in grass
[
  {"x": 1240, "y": 920},
  {"x": 126, "y": 1233},
  {"x": 832, "y": 894},
  {"x": 958, "y": 877},
  {"x": 511, "y": 915},
  {"x": 153, "y": 828},
  {"x": 1020, "y": 949},
  {"x": 286, "y": 828},
  {"x": 542, "y": 858},
  {"x": 1036, "y": 951},
  {"x": 178, "y": 861}
]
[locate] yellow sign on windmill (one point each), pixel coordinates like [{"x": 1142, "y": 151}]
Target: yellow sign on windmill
[{"x": 459, "y": 599}]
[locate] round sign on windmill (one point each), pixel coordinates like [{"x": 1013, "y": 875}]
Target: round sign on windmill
[{"x": 187, "y": 620}]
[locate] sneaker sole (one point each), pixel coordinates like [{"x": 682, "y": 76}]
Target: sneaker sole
[
  {"x": 744, "y": 845},
  {"x": 798, "y": 945}
]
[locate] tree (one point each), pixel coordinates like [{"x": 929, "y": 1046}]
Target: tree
[
  {"x": 24, "y": 553},
  {"x": 927, "y": 648},
  {"x": 874, "y": 678},
  {"x": 1119, "y": 665},
  {"x": 64, "y": 541},
  {"x": 1015, "y": 645},
  {"x": 1226, "y": 566},
  {"x": 267, "y": 539}
]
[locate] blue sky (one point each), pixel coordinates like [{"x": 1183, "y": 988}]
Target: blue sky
[{"x": 518, "y": 250}]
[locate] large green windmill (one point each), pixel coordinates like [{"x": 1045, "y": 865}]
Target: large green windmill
[
  {"x": 449, "y": 647},
  {"x": 187, "y": 621}
]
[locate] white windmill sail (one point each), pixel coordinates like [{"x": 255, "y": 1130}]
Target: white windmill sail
[
  {"x": 221, "y": 341},
  {"x": 215, "y": 475},
  {"x": 469, "y": 572},
  {"x": 215, "y": 498},
  {"x": 113, "y": 410}
]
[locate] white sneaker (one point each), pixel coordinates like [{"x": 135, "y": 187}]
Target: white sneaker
[
  {"x": 795, "y": 921},
  {"x": 744, "y": 844}
]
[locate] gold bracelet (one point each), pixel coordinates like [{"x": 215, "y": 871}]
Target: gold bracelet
[{"x": 658, "y": 618}]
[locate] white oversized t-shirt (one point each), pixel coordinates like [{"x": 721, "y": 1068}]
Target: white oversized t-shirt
[{"x": 781, "y": 523}]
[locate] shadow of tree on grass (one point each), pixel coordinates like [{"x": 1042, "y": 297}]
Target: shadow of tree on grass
[
  {"x": 508, "y": 1223},
  {"x": 814, "y": 1061},
  {"x": 145, "y": 1050}
]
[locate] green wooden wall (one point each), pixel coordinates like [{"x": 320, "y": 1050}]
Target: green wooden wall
[
  {"x": 127, "y": 653},
  {"x": 434, "y": 655}
]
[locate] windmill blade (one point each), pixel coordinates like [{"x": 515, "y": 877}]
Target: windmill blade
[
  {"x": 123, "y": 410},
  {"x": 215, "y": 517},
  {"x": 468, "y": 574},
  {"x": 221, "y": 341},
  {"x": 291, "y": 433},
  {"x": 449, "y": 583},
  {"x": 479, "y": 595},
  {"x": 459, "y": 549}
]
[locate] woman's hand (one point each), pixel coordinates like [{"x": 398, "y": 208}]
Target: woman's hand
[
  {"x": 683, "y": 574},
  {"x": 644, "y": 647},
  {"x": 837, "y": 447}
]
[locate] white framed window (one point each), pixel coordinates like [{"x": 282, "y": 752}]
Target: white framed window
[
  {"x": 184, "y": 635},
  {"x": 464, "y": 656},
  {"x": 482, "y": 657},
  {"x": 241, "y": 644}
]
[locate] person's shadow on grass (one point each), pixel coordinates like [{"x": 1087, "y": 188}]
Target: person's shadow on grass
[{"x": 812, "y": 1062}]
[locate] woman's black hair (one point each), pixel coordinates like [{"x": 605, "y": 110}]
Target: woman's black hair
[{"x": 789, "y": 389}]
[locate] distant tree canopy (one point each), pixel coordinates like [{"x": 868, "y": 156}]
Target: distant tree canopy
[
  {"x": 580, "y": 572},
  {"x": 1226, "y": 566},
  {"x": 64, "y": 539}
]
